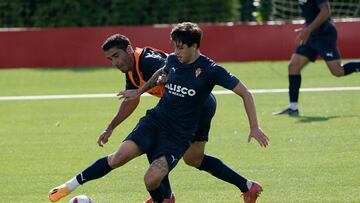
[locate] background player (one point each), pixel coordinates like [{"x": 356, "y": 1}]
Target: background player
[{"x": 318, "y": 37}]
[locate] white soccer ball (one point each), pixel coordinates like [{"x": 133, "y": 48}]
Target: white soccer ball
[{"x": 81, "y": 199}]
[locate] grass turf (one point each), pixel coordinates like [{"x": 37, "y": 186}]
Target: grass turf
[{"x": 311, "y": 158}]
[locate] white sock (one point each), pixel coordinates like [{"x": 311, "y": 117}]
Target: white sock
[
  {"x": 72, "y": 184},
  {"x": 248, "y": 184},
  {"x": 294, "y": 105}
]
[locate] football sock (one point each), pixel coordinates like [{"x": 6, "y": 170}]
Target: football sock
[
  {"x": 166, "y": 186},
  {"x": 72, "y": 184},
  {"x": 97, "y": 170},
  {"x": 248, "y": 184},
  {"x": 352, "y": 66},
  {"x": 294, "y": 86},
  {"x": 294, "y": 105},
  {"x": 217, "y": 168},
  {"x": 158, "y": 194}
]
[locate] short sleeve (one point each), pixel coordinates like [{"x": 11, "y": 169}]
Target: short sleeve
[
  {"x": 168, "y": 61},
  {"x": 150, "y": 62},
  {"x": 224, "y": 78}
]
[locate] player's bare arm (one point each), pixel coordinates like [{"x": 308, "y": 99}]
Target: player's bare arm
[
  {"x": 255, "y": 131},
  {"x": 304, "y": 33},
  {"x": 125, "y": 110},
  {"x": 152, "y": 82}
]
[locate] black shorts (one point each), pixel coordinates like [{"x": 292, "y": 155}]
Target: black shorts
[
  {"x": 321, "y": 43},
  {"x": 156, "y": 141},
  {"x": 207, "y": 113}
]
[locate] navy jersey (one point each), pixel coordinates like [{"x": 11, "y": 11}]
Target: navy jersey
[
  {"x": 150, "y": 61},
  {"x": 187, "y": 88},
  {"x": 310, "y": 10}
]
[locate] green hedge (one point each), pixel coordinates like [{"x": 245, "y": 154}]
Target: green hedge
[
  {"x": 70, "y": 13},
  {"x": 80, "y": 13}
]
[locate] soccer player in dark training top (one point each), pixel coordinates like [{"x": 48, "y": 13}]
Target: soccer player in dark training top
[
  {"x": 138, "y": 65},
  {"x": 318, "y": 37},
  {"x": 189, "y": 78}
]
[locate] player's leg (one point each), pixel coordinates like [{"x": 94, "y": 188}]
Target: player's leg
[
  {"x": 168, "y": 194},
  {"x": 339, "y": 70},
  {"x": 195, "y": 156},
  {"x": 298, "y": 60},
  {"x": 329, "y": 52},
  {"x": 153, "y": 177},
  {"x": 166, "y": 154},
  {"x": 140, "y": 140},
  {"x": 127, "y": 151}
]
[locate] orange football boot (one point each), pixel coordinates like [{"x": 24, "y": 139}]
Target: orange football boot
[
  {"x": 253, "y": 193},
  {"x": 166, "y": 200},
  {"x": 58, "y": 192}
]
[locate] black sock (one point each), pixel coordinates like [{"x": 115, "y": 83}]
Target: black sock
[
  {"x": 97, "y": 170},
  {"x": 294, "y": 86},
  {"x": 166, "y": 186},
  {"x": 217, "y": 168},
  {"x": 158, "y": 194},
  {"x": 351, "y": 66}
]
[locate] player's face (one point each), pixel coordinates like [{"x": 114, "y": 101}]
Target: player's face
[
  {"x": 184, "y": 53},
  {"x": 120, "y": 59}
]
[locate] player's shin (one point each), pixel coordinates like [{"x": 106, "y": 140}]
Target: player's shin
[
  {"x": 97, "y": 170},
  {"x": 217, "y": 168},
  {"x": 157, "y": 194}
]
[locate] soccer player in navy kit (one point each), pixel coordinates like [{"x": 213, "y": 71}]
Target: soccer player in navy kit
[
  {"x": 318, "y": 37},
  {"x": 190, "y": 77},
  {"x": 145, "y": 62}
]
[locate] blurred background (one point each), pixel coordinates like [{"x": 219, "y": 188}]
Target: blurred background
[
  {"x": 69, "y": 33},
  {"x": 84, "y": 13}
]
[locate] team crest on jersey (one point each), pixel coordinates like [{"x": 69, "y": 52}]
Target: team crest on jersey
[{"x": 197, "y": 72}]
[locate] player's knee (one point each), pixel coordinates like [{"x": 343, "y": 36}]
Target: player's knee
[
  {"x": 152, "y": 181},
  {"x": 194, "y": 161},
  {"x": 294, "y": 68},
  {"x": 337, "y": 73},
  {"x": 117, "y": 159}
]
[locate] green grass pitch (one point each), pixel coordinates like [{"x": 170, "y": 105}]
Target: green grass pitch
[{"x": 311, "y": 158}]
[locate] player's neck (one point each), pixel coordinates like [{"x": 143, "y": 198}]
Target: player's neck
[{"x": 194, "y": 57}]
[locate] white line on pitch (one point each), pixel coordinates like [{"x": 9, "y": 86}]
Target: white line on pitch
[{"x": 216, "y": 92}]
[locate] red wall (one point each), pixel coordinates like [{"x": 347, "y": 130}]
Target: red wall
[{"x": 72, "y": 47}]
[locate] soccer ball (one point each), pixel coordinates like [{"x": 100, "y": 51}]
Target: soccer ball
[{"x": 81, "y": 199}]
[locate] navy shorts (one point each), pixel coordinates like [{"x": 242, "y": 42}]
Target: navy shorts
[
  {"x": 207, "y": 113},
  {"x": 321, "y": 42},
  {"x": 156, "y": 141}
]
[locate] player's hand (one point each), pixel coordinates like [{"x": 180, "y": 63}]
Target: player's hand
[
  {"x": 128, "y": 94},
  {"x": 104, "y": 137},
  {"x": 303, "y": 35},
  {"x": 259, "y": 136},
  {"x": 161, "y": 80}
]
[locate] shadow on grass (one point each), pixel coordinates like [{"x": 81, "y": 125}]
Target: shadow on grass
[{"x": 309, "y": 119}]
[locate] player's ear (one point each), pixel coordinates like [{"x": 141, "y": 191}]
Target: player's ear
[
  {"x": 195, "y": 46},
  {"x": 129, "y": 49}
]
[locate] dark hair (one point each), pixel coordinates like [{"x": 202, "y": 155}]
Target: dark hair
[
  {"x": 116, "y": 40},
  {"x": 186, "y": 33}
]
